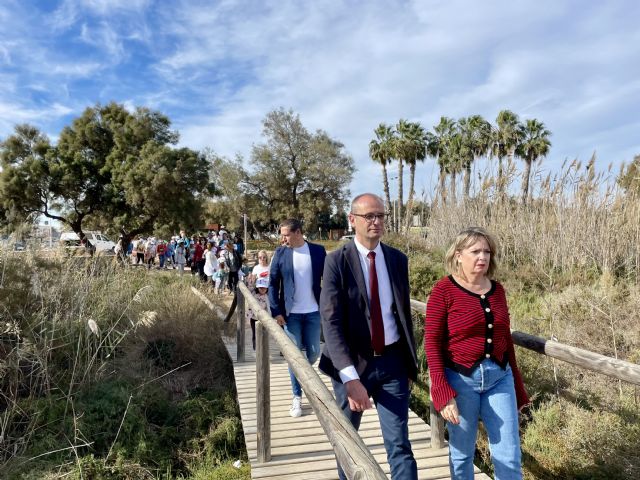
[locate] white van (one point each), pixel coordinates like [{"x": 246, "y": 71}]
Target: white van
[{"x": 97, "y": 240}]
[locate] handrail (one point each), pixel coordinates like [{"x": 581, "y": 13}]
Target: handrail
[
  {"x": 354, "y": 456},
  {"x": 612, "y": 367}
]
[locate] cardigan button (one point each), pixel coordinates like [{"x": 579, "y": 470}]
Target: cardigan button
[
  {"x": 490, "y": 325},
  {"x": 483, "y": 296},
  {"x": 488, "y": 355},
  {"x": 487, "y": 310},
  {"x": 489, "y": 340}
]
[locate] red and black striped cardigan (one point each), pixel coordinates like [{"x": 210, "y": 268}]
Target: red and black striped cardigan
[{"x": 463, "y": 328}]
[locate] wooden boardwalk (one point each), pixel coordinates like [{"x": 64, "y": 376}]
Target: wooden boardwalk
[{"x": 299, "y": 447}]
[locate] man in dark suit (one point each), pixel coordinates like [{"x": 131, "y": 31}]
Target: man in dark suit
[
  {"x": 294, "y": 276},
  {"x": 366, "y": 320}
]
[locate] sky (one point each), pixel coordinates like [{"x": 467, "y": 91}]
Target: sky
[{"x": 216, "y": 68}]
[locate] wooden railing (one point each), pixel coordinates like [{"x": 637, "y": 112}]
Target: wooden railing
[
  {"x": 354, "y": 456},
  {"x": 612, "y": 367},
  {"x": 350, "y": 450}
]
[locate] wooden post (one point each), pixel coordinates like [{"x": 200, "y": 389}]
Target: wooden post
[
  {"x": 437, "y": 426},
  {"x": 263, "y": 394},
  {"x": 240, "y": 327}
]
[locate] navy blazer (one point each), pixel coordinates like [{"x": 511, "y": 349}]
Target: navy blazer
[
  {"x": 281, "y": 283},
  {"x": 344, "y": 308}
]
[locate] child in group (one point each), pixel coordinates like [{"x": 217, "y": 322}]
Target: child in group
[
  {"x": 260, "y": 294},
  {"x": 220, "y": 276}
]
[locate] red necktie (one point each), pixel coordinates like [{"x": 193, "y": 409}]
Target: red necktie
[{"x": 377, "y": 326}]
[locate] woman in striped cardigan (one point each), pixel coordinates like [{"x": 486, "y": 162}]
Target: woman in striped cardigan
[{"x": 471, "y": 358}]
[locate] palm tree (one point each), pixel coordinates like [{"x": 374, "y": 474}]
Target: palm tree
[
  {"x": 508, "y": 136},
  {"x": 476, "y": 139},
  {"x": 437, "y": 147},
  {"x": 381, "y": 151},
  {"x": 535, "y": 144},
  {"x": 455, "y": 153},
  {"x": 411, "y": 147},
  {"x": 398, "y": 147}
]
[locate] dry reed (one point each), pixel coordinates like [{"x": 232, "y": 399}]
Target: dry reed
[{"x": 577, "y": 218}]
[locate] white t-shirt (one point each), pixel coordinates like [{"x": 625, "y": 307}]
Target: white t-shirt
[
  {"x": 260, "y": 272},
  {"x": 211, "y": 263},
  {"x": 303, "y": 299}
]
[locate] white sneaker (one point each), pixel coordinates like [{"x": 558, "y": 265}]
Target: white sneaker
[{"x": 296, "y": 407}]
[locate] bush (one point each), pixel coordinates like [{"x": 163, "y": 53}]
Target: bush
[
  {"x": 124, "y": 360},
  {"x": 566, "y": 441}
]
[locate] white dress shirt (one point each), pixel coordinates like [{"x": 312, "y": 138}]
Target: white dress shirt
[{"x": 391, "y": 334}]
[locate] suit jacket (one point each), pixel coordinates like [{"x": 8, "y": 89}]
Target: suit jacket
[
  {"x": 344, "y": 308},
  {"x": 281, "y": 283}
]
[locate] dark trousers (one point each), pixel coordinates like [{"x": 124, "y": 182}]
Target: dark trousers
[
  {"x": 233, "y": 281},
  {"x": 201, "y": 263},
  {"x": 387, "y": 383}
]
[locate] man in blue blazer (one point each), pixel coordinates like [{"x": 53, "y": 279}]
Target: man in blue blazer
[
  {"x": 295, "y": 277},
  {"x": 366, "y": 320}
]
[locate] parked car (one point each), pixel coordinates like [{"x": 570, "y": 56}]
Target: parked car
[
  {"x": 96, "y": 241},
  {"x": 347, "y": 238}
]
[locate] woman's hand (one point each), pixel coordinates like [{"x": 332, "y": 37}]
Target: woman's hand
[{"x": 450, "y": 412}]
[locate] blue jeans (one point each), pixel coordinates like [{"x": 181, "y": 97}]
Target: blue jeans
[
  {"x": 304, "y": 330},
  {"x": 488, "y": 394},
  {"x": 386, "y": 381}
]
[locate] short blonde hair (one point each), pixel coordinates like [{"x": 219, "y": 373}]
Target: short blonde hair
[
  {"x": 266, "y": 255},
  {"x": 465, "y": 239}
]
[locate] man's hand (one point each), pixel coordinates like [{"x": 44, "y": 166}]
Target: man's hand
[
  {"x": 281, "y": 321},
  {"x": 450, "y": 412},
  {"x": 358, "y": 396}
]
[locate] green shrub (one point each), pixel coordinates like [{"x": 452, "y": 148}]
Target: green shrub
[{"x": 566, "y": 441}]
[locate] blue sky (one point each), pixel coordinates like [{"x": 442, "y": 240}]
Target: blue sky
[{"x": 216, "y": 68}]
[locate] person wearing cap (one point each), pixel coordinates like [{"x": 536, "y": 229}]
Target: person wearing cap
[{"x": 261, "y": 296}]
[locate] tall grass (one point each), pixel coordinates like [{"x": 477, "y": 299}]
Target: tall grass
[
  {"x": 576, "y": 219},
  {"x": 570, "y": 262},
  {"x": 107, "y": 372}
]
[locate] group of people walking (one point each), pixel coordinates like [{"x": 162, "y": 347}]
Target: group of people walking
[
  {"x": 358, "y": 296},
  {"x": 217, "y": 257}
]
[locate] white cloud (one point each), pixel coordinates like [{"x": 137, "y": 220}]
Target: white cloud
[{"x": 216, "y": 68}]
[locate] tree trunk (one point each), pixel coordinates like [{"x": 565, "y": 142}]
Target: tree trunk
[
  {"x": 525, "y": 180},
  {"x": 443, "y": 186},
  {"x": 400, "y": 195},
  {"x": 387, "y": 195},
  {"x": 409, "y": 214},
  {"x": 500, "y": 173},
  {"x": 454, "y": 194},
  {"x": 467, "y": 181}
]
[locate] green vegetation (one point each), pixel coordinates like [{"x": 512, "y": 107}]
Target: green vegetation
[
  {"x": 111, "y": 373},
  {"x": 111, "y": 169},
  {"x": 570, "y": 267},
  {"x": 294, "y": 173}
]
